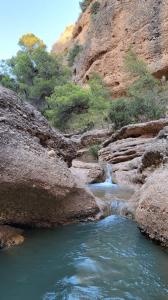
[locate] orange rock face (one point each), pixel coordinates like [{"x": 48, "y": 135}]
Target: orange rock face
[
  {"x": 64, "y": 41},
  {"x": 117, "y": 26}
]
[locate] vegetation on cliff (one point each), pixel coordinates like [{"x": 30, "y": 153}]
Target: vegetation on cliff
[
  {"x": 73, "y": 53},
  {"x": 74, "y": 107},
  {"x": 145, "y": 99},
  {"x": 84, "y": 4},
  {"x": 45, "y": 80}
]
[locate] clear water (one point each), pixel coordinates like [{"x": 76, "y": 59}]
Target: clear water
[{"x": 109, "y": 259}]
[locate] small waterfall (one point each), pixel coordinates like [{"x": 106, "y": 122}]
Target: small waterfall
[
  {"x": 108, "y": 183},
  {"x": 119, "y": 207},
  {"x": 108, "y": 172}
]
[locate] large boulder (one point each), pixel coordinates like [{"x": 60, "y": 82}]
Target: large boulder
[
  {"x": 152, "y": 211},
  {"x": 95, "y": 136},
  {"x": 88, "y": 172},
  {"x": 36, "y": 186}
]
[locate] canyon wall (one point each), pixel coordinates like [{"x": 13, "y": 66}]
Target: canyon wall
[
  {"x": 107, "y": 35},
  {"x": 64, "y": 42}
]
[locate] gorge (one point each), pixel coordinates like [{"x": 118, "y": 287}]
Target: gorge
[{"x": 84, "y": 158}]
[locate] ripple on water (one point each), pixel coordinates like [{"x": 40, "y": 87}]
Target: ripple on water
[{"x": 109, "y": 259}]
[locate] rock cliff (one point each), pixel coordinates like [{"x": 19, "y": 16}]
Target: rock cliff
[
  {"x": 116, "y": 26},
  {"x": 64, "y": 42},
  {"x": 36, "y": 186}
]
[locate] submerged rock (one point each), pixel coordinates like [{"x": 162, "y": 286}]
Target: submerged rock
[
  {"x": 10, "y": 236},
  {"x": 36, "y": 186}
]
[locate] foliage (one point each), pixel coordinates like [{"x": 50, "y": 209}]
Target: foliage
[
  {"x": 84, "y": 4},
  {"x": 29, "y": 42},
  {"x": 74, "y": 107},
  {"x": 94, "y": 149},
  {"x": 95, "y": 7},
  {"x": 8, "y": 82},
  {"x": 33, "y": 72},
  {"x": 99, "y": 100},
  {"x": 73, "y": 53},
  {"x": 144, "y": 97},
  {"x": 65, "y": 103},
  {"x": 119, "y": 113}
]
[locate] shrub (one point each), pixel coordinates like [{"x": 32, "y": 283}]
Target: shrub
[
  {"x": 74, "y": 107},
  {"x": 95, "y": 8},
  {"x": 84, "y": 4},
  {"x": 73, "y": 53},
  {"x": 119, "y": 113},
  {"x": 144, "y": 101},
  {"x": 93, "y": 150}
]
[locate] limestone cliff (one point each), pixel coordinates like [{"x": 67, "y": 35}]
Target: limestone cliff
[
  {"x": 116, "y": 26},
  {"x": 62, "y": 45}
]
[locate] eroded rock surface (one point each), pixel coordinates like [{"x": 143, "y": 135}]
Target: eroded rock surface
[
  {"x": 107, "y": 35},
  {"x": 88, "y": 172},
  {"x": 127, "y": 150},
  {"x": 64, "y": 42},
  {"x": 152, "y": 210},
  {"x": 36, "y": 186},
  {"x": 139, "y": 155}
]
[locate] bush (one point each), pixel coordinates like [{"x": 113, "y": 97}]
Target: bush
[
  {"x": 73, "y": 53},
  {"x": 144, "y": 101},
  {"x": 74, "y": 107},
  {"x": 134, "y": 110},
  {"x": 84, "y": 4},
  {"x": 95, "y": 8},
  {"x": 119, "y": 113},
  {"x": 93, "y": 150}
]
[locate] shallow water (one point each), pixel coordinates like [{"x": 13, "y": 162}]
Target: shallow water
[
  {"x": 108, "y": 259},
  {"x": 110, "y": 191}
]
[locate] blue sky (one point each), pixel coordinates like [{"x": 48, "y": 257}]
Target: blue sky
[{"x": 45, "y": 18}]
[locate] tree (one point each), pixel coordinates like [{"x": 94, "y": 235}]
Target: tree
[
  {"x": 29, "y": 42},
  {"x": 74, "y": 107},
  {"x": 66, "y": 103},
  {"x": 34, "y": 71}
]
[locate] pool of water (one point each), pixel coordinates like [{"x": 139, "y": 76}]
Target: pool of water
[{"x": 109, "y": 259}]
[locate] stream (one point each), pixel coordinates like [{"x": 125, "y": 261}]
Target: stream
[{"x": 109, "y": 259}]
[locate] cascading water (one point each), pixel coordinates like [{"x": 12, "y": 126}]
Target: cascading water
[
  {"x": 108, "y": 172},
  {"x": 114, "y": 196},
  {"x": 108, "y": 183}
]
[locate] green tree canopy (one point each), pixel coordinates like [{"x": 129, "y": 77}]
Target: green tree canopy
[
  {"x": 74, "y": 107},
  {"x": 33, "y": 72}
]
